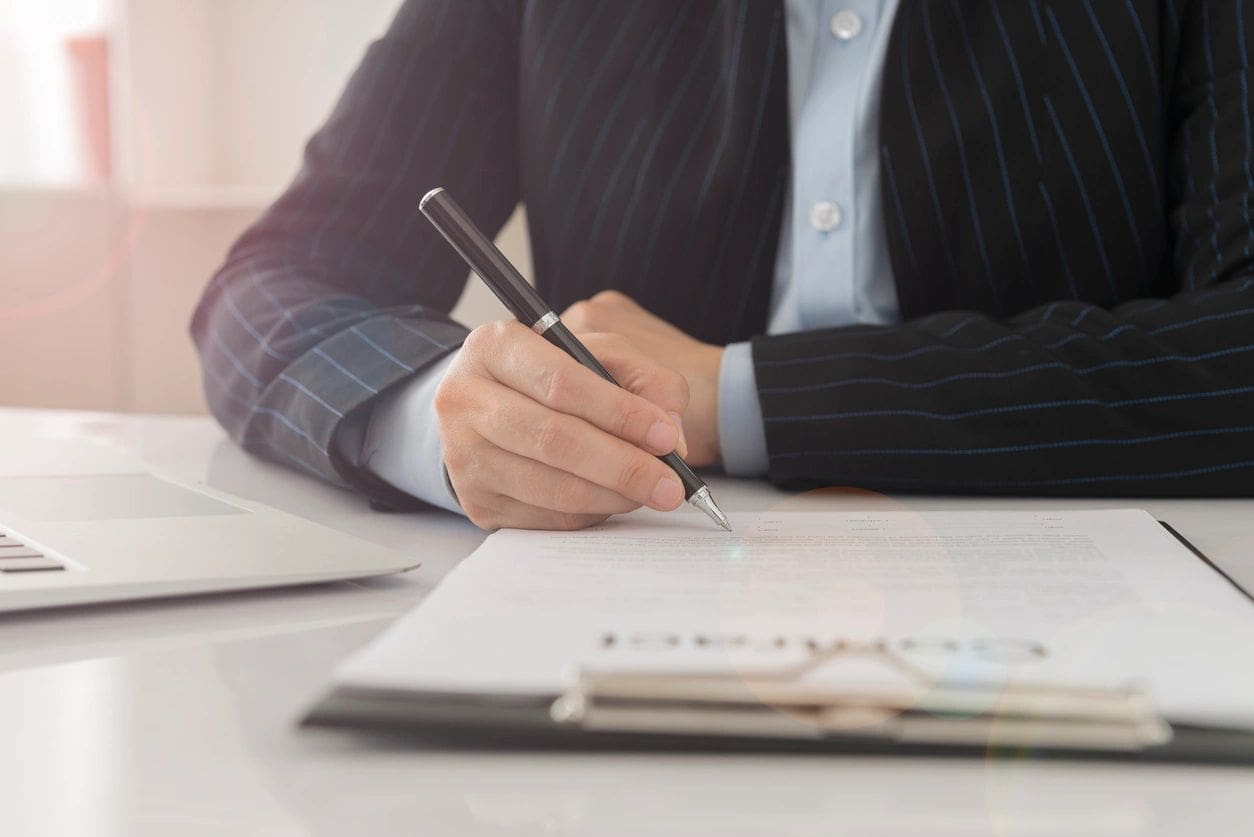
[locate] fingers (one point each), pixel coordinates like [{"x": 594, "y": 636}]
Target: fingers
[
  {"x": 537, "y": 484},
  {"x": 638, "y": 374},
  {"x": 565, "y": 442},
  {"x": 645, "y": 411},
  {"x": 498, "y": 490},
  {"x": 531, "y": 439},
  {"x": 507, "y": 513}
]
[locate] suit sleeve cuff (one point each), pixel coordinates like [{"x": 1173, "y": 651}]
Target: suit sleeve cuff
[
  {"x": 742, "y": 435},
  {"x": 402, "y": 443}
]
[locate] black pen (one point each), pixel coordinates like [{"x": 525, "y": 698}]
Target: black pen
[{"x": 524, "y": 303}]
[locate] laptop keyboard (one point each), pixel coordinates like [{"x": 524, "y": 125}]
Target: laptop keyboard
[{"x": 17, "y": 557}]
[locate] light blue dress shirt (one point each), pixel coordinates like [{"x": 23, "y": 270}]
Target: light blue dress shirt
[
  {"x": 832, "y": 269},
  {"x": 833, "y": 266}
]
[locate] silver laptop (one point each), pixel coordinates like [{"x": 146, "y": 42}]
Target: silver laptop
[{"x": 72, "y": 539}]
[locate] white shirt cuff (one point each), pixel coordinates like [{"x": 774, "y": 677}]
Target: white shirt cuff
[
  {"x": 742, "y": 434},
  {"x": 402, "y": 445}
]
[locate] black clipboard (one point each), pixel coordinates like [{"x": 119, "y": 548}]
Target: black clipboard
[{"x": 477, "y": 721}]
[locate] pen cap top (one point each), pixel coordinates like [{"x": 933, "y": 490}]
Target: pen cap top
[
  {"x": 437, "y": 190},
  {"x": 488, "y": 262}
]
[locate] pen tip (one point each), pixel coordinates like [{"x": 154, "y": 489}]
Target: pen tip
[{"x": 702, "y": 500}]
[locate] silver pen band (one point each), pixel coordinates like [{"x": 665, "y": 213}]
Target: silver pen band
[{"x": 544, "y": 323}]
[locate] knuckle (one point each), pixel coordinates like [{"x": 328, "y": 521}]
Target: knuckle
[
  {"x": 580, "y": 315},
  {"x": 561, "y": 389},
  {"x": 572, "y": 522},
  {"x": 448, "y": 396},
  {"x": 476, "y": 342},
  {"x": 488, "y": 338},
  {"x": 569, "y": 494},
  {"x": 633, "y": 477},
  {"x": 511, "y": 330},
  {"x": 551, "y": 438},
  {"x": 479, "y": 514},
  {"x": 665, "y": 386},
  {"x": 679, "y": 385},
  {"x": 634, "y": 422},
  {"x": 609, "y": 297},
  {"x": 646, "y": 381}
]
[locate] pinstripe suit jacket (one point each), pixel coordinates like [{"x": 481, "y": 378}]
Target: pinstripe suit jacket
[{"x": 1067, "y": 191}]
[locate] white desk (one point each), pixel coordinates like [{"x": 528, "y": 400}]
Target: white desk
[{"x": 177, "y": 717}]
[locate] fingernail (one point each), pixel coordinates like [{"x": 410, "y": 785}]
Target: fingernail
[
  {"x": 662, "y": 437},
  {"x": 682, "y": 447},
  {"x": 667, "y": 495}
]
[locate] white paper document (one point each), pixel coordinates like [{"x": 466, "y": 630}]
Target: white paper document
[{"x": 1075, "y": 598}]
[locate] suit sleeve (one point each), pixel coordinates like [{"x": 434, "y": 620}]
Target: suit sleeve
[
  {"x": 1154, "y": 397},
  {"x": 341, "y": 291}
]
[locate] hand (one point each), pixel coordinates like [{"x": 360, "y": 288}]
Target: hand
[
  {"x": 614, "y": 313},
  {"x": 533, "y": 440}
]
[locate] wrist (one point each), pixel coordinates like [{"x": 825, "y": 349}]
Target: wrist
[{"x": 701, "y": 419}]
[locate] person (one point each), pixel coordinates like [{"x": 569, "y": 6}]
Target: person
[{"x": 970, "y": 246}]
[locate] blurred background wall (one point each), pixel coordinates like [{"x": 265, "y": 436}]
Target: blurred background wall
[{"x": 139, "y": 138}]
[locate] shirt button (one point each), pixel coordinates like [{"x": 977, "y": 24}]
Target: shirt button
[
  {"x": 846, "y": 25},
  {"x": 825, "y": 216}
]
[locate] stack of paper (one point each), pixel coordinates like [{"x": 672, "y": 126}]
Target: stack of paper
[{"x": 1104, "y": 599}]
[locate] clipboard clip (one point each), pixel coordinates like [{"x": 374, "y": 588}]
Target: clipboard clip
[{"x": 908, "y": 706}]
